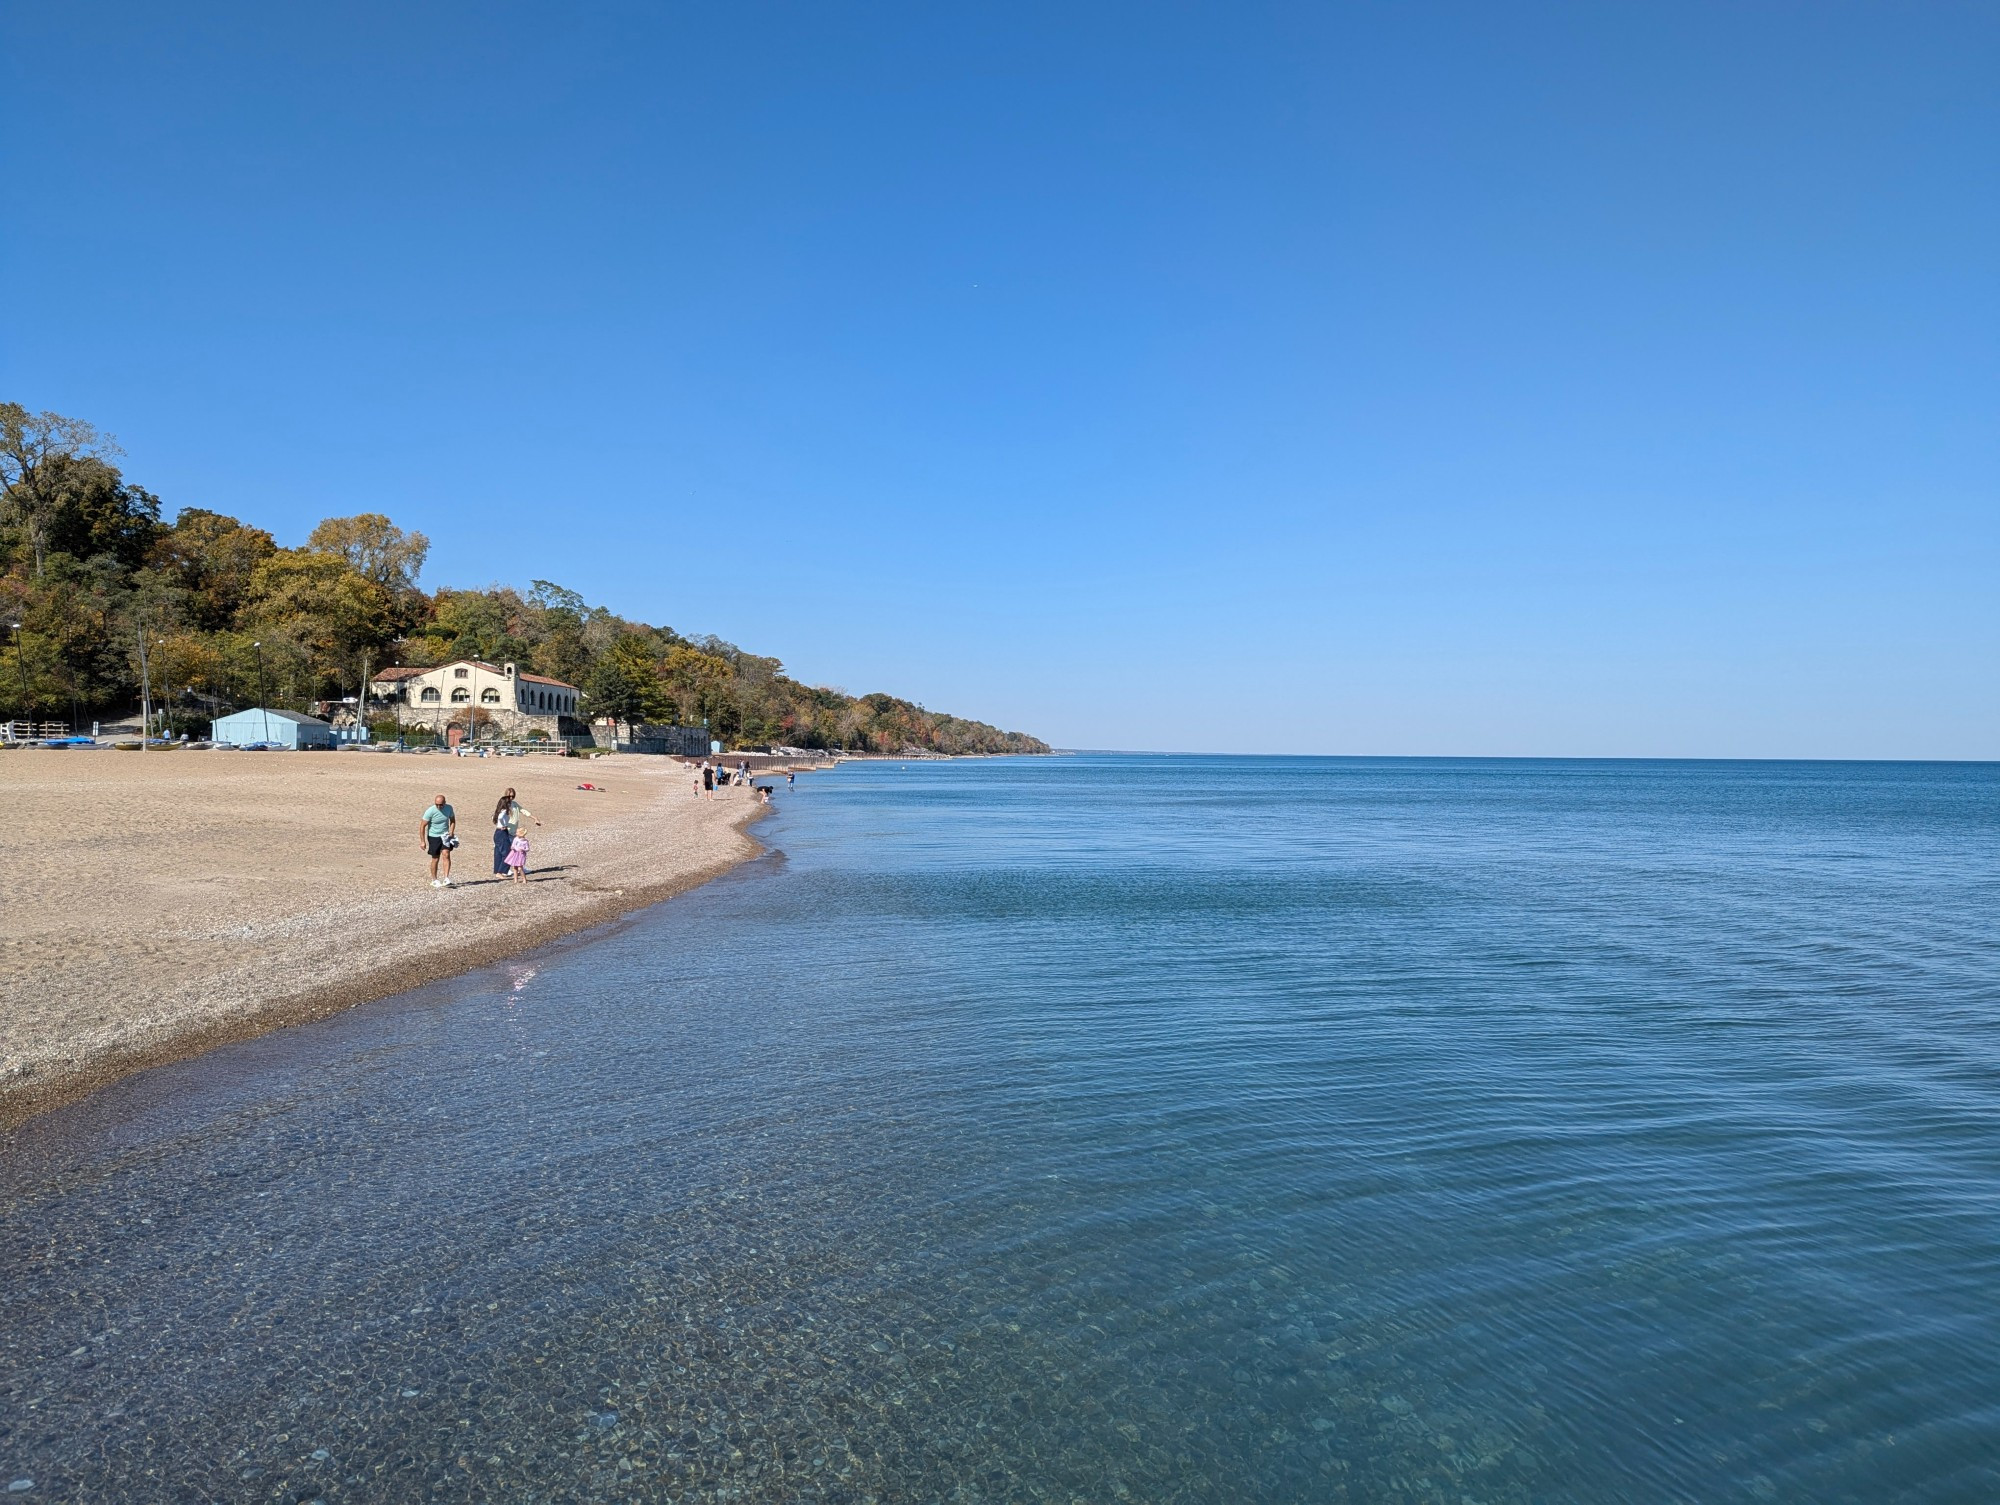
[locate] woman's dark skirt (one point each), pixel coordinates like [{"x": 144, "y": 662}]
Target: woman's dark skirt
[{"x": 502, "y": 840}]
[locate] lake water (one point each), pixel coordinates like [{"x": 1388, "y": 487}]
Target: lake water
[{"x": 1098, "y": 1128}]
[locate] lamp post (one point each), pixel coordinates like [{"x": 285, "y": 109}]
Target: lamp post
[
  {"x": 27, "y": 710},
  {"x": 21, "y": 663},
  {"x": 166, "y": 692},
  {"x": 361, "y": 704},
  {"x": 145, "y": 692},
  {"x": 262, "y": 705}
]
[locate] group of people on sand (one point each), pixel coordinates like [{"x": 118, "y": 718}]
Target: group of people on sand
[
  {"x": 438, "y": 832},
  {"x": 709, "y": 776}
]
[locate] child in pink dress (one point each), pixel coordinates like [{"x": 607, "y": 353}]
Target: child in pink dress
[{"x": 517, "y": 860}]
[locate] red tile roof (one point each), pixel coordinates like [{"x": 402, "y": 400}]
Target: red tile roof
[{"x": 404, "y": 671}]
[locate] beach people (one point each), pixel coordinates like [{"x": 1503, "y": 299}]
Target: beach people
[
  {"x": 508, "y": 817},
  {"x": 790, "y": 778},
  {"x": 503, "y": 836},
  {"x": 517, "y": 859},
  {"x": 438, "y": 831},
  {"x": 708, "y": 781}
]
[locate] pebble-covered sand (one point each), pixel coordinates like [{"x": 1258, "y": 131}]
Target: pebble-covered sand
[{"x": 154, "y": 904}]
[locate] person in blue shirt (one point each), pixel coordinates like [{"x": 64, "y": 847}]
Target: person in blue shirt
[{"x": 438, "y": 832}]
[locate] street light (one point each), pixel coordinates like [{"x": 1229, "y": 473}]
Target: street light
[
  {"x": 145, "y": 692},
  {"x": 262, "y": 704},
  {"x": 27, "y": 711},
  {"x": 166, "y": 691}
]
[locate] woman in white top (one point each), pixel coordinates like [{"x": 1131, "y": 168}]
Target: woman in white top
[{"x": 508, "y": 817}]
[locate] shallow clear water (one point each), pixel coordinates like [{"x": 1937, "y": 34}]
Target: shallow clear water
[{"x": 1098, "y": 1128}]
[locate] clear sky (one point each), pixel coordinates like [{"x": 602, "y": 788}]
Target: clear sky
[{"x": 1373, "y": 378}]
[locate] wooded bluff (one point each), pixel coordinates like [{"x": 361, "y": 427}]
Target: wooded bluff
[{"x": 89, "y": 570}]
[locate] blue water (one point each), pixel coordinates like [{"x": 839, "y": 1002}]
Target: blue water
[{"x": 1098, "y": 1128}]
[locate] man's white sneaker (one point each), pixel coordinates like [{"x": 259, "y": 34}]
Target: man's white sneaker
[{"x": 437, "y": 883}]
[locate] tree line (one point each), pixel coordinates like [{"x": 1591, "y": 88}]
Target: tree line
[{"x": 91, "y": 572}]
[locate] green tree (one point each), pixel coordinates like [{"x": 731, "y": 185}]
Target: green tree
[
  {"x": 556, "y": 623},
  {"x": 96, "y": 512},
  {"x": 325, "y": 612},
  {"x": 624, "y": 683},
  {"x": 697, "y": 681},
  {"x": 466, "y": 624},
  {"x": 39, "y": 455},
  {"x": 552, "y": 597}
]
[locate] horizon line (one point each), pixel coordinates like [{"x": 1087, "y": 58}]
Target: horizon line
[{"x": 1143, "y": 752}]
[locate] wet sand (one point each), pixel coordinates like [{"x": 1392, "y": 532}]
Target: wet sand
[{"x": 153, "y": 905}]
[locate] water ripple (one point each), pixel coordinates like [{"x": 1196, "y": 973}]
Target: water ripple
[{"x": 1099, "y": 1128}]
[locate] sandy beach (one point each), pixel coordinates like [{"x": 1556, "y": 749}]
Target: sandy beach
[{"x": 155, "y": 904}]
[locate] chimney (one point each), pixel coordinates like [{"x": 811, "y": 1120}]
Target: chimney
[{"x": 508, "y": 670}]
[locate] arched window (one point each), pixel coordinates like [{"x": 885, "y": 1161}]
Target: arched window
[
  {"x": 461, "y": 695},
  {"x": 430, "y": 695},
  {"x": 489, "y": 696}
]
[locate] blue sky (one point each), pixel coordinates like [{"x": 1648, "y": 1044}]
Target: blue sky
[{"x": 1375, "y": 378}]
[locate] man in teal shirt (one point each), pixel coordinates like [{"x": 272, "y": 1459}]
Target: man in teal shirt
[{"x": 438, "y": 832}]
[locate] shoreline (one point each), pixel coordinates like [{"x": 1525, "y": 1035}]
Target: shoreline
[{"x": 306, "y": 960}]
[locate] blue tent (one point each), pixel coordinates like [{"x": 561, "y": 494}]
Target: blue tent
[{"x": 286, "y": 728}]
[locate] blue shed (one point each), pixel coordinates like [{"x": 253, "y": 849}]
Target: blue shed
[{"x": 286, "y": 728}]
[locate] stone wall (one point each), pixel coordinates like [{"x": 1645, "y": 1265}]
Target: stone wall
[
  {"x": 651, "y": 737},
  {"x": 493, "y": 721}
]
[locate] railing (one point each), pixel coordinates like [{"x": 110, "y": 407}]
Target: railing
[
  {"x": 552, "y": 747},
  {"x": 32, "y": 731}
]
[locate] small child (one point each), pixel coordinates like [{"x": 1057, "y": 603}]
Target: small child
[{"x": 517, "y": 860}]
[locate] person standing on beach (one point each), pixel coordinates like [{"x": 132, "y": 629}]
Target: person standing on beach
[
  {"x": 503, "y": 838},
  {"x": 708, "y": 781},
  {"x": 437, "y": 830},
  {"x": 507, "y": 820}
]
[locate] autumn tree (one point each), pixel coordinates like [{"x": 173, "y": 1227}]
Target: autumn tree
[
  {"x": 211, "y": 559},
  {"x": 374, "y": 548}
]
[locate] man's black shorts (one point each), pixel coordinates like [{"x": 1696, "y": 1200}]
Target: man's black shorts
[{"x": 436, "y": 844}]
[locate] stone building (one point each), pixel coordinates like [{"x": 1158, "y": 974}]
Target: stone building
[{"x": 479, "y": 700}]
